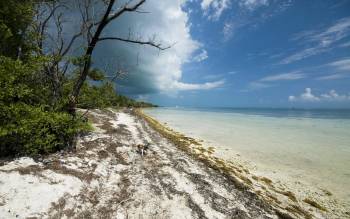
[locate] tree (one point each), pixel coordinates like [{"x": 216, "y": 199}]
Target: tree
[
  {"x": 53, "y": 45},
  {"x": 15, "y": 18},
  {"x": 91, "y": 30},
  {"x": 28, "y": 125},
  {"x": 106, "y": 19}
]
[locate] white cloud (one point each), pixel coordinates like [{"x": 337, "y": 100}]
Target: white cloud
[
  {"x": 213, "y": 76},
  {"x": 245, "y": 15},
  {"x": 218, "y": 76},
  {"x": 256, "y": 85},
  {"x": 151, "y": 70},
  {"x": 201, "y": 56},
  {"x": 327, "y": 36},
  {"x": 253, "y": 4},
  {"x": 334, "y": 96},
  {"x": 342, "y": 65},
  {"x": 214, "y": 8},
  {"x": 308, "y": 96},
  {"x": 283, "y": 77},
  {"x": 232, "y": 72},
  {"x": 346, "y": 44},
  {"x": 340, "y": 68},
  {"x": 291, "y": 98},
  {"x": 332, "y": 77},
  {"x": 205, "y": 86},
  {"x": 267, "y": 81},
  {"x": 228, "y": 30},
  {"x": 322, "y": 40},
  {"x": 303, "y": 54}
]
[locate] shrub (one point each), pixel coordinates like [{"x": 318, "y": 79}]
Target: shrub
[
  {"x": 27, "y": 124},
  {"x": 104, "y": 95},
  {"x": 32, "y": 130}
]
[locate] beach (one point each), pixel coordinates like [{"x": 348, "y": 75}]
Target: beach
[
  {"x": 203, "y": 109},
  {"x": 132, "y": 166},
  {"x": 304, "y": 153},
  {"x": 107, "y": 177}
]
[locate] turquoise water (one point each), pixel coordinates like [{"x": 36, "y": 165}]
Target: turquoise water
[{"x": 309, "y": 146}]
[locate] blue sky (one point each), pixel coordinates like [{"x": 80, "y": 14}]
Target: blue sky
[{"x": 241, "y": 53}]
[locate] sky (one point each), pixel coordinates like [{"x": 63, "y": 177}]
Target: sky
[{"x": 235, "y": 53}]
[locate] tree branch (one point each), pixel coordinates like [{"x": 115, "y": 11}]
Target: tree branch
[
  {"x": 125, "y": 8},
  {"x": 46, "y": 20},
  {"x": 71, "y": 43},
  {"x": 150, "y": 43}
]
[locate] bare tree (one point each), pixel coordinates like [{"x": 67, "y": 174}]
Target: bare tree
[
  {"x": 91, "y": 29},
  {"x": 51, "y": 13},
  {"x": 94, "y": 37}
]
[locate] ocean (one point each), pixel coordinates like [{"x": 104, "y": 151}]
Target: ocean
[{"x": 303, "y": 149}]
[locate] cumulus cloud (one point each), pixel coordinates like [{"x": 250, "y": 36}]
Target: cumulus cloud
[
  {"x": 333, "y": 95},
  {"x": 308, "y": 96},
  {"x": 320, "y": 40},
  {"x": 150, "y": 70}
]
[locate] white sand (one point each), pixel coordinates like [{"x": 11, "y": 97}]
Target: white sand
[
  {"x": 29, "y": 195},
  {"x": 107, "y": 178}
]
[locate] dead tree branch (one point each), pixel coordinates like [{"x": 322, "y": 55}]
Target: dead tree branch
[
  {"x": 150, "y": 43},
  {"x": 105, "y": 20}
]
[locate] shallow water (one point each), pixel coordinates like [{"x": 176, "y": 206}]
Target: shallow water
[{"x": 311, "y": 146}]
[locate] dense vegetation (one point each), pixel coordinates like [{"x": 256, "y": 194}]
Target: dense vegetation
[{"x": 33, "y": 118}]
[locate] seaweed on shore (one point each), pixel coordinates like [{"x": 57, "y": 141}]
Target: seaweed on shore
[
  {"x": 289, "y": 194},
  {"x": 228, "y": 169},
  {"x": 240, "y": 176},
  {"x": 196, "y": 150},
  {"x": 314, "y": 204},
  {"x": 299, "y": 211}
]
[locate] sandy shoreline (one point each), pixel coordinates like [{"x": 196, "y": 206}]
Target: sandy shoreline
[
  {"x": 284, "y": 186},
  {"x": 107, "y": 177}
]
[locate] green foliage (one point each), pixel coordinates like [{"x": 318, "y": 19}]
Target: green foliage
[
  {"x": 30, "y": 121},
  {"x": 27, "y": 124},
  {"x": 96, "y": 75},
  {"x": 78, "y": 61},
  {"x": 22, "y": 82},
  {"x": 32, "y": 130},
  {"x": 15, "y": 18},
  {"x": 96, "y": 96},
  {"x": 104, "y": 95}
]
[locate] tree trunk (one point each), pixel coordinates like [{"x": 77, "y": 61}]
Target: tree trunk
[{"x": 87, "y": 63}]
